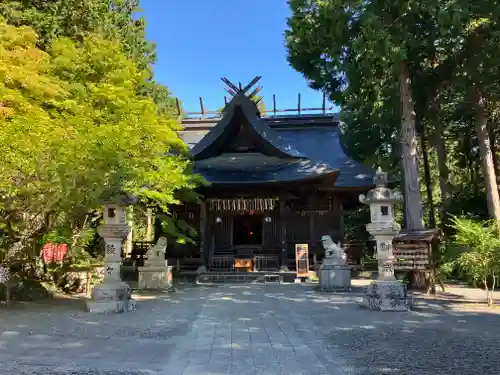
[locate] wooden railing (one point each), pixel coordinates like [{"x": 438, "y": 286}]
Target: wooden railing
[
  {"x": 221, "y": 263},
  {"x": 266, "y": 262}
]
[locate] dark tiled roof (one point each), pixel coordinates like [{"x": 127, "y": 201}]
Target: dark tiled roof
[
  {"x": 324, "y": 145},
  {"x": 195, "y": 129},
  {"x": 304, "y": 120},
  {"x": 313, "y": 139},
  {"x": 273, "y": 137},
  {"x": 299, "y": 169},
  {"x": 242, "y": 103}
]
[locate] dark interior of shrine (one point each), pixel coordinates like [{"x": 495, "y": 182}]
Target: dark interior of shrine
[{"x": 247, "y": 230}]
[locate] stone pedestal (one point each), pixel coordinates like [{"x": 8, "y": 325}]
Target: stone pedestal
[
  {"x": 334, "y": 273},
  {"x": 113, "y": 295},
  {"x": 156, "y": 274},
  {"x": 157, "y": 278},
  {"x": 334, "y": 278},
  {"x": 386, "y": 295}
]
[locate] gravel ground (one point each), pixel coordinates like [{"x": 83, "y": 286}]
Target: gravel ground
[
  {"x": 60, "y": 337},
  {"x": 270, "y": 329},
  {"x": 436, "y": 338}
]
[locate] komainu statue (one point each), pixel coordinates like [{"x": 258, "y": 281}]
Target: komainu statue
[
  {"x": 333, "y": 252},
  {"x": 156, "y": 255},
  {"x": 156, "y": 273},
  {"x": 334, "y": 273}
]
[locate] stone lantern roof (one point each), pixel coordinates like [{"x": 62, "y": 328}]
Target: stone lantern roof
[
  {"x": 381, "y": 193},
  {"x": 121, "y": 198}
]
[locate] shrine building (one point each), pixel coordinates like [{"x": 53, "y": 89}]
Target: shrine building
[{"x": 275, "y": 181}]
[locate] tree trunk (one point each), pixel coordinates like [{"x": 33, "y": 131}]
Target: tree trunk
[
  {"x": 444, "y": 172},
  {"x": 490, "y": 182},
  {"x": 494, "y": 151},
  {"x": 486, "y": 289},
  {"x": 492, "y": 290},
  {"x": 409, "y": 156},
  {"x": 427, "y": 174}
]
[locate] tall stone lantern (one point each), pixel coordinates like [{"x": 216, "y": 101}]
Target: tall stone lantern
[
  {"x": 113, "y": 294},
  {"x": 386, "y": 293}
]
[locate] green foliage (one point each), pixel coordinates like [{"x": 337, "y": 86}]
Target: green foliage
[
  {"x": 480, "y": 245},
  {"x": 354, "y": 50},
  {"x": 114, "y": 20},
  {"x": 353, "y": 227},
  {"x": 178, "y": 229},
  {"x": 351, "y": 50},
  {"x": 74, "y": 131}
]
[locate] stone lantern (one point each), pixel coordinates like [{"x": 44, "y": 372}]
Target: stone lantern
[
  {"x": 113, "y": 294},
  {"x": 386, "y": 293}
]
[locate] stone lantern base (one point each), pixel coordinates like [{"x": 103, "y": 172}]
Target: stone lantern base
[
  {"x": 110, "y": 297},
  {"x": 386, "y": 295}
]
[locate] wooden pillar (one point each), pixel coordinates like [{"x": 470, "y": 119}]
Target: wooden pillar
[
  {"x": 342, "y": 229},
  {"x": 312, "y": 238},
  {"x": 312, "y": 234},
  {"x": 149, "y": 224},
  {"x": 283, "y": 242},
  {"x": 127, "y": 248},
  {"x": 203, "y": 240}
]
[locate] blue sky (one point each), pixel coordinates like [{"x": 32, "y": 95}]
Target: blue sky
[{"x": 199, "y": 41}]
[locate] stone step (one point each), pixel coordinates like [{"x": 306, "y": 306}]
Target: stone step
[{"x": 242, "y": 277}]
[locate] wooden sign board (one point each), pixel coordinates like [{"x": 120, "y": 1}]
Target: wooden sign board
[
  {"x": 411, "y": 257},
  {"x": 302, "y": 259}
]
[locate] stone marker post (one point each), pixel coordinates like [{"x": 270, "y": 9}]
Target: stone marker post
[
  {"x": 386, "y": 293},
  {"x": 113, "y": 294}
]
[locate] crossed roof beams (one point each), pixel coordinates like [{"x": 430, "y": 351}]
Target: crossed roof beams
[{"x": 233, "y": 89}]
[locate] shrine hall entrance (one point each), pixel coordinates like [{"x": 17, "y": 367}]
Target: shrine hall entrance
[{"x": 247, "y": 230}]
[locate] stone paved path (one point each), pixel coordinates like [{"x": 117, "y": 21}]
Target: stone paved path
[
  {"x": 268, "y": 329},
  {"x": 250, "y": 329}
]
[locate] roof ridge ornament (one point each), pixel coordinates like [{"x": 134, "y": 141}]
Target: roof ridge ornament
[{"x": 233, "y": 89}]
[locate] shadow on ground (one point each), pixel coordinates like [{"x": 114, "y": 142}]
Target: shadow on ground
[{"x": 441, "y": 336}]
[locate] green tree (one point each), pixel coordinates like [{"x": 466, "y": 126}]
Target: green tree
[
  {"x": 112, "y": 19},
  {"x": 479, "y": 71},
  {"x": 115, "y": 20},
  {"x": 364, "y": 48},
  {"x": 415, "y": 80},
  {"x": 74, "y": 131},
  {"x": 431, "y": 56}
]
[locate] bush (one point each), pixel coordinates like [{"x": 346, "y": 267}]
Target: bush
[{"x": 478, "y": 251}]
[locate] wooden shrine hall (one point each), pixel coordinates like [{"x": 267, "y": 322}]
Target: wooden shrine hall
[{"x": 275, "y": 182}]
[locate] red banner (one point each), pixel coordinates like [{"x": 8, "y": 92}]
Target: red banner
[{"x": 54, "y": 252}]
